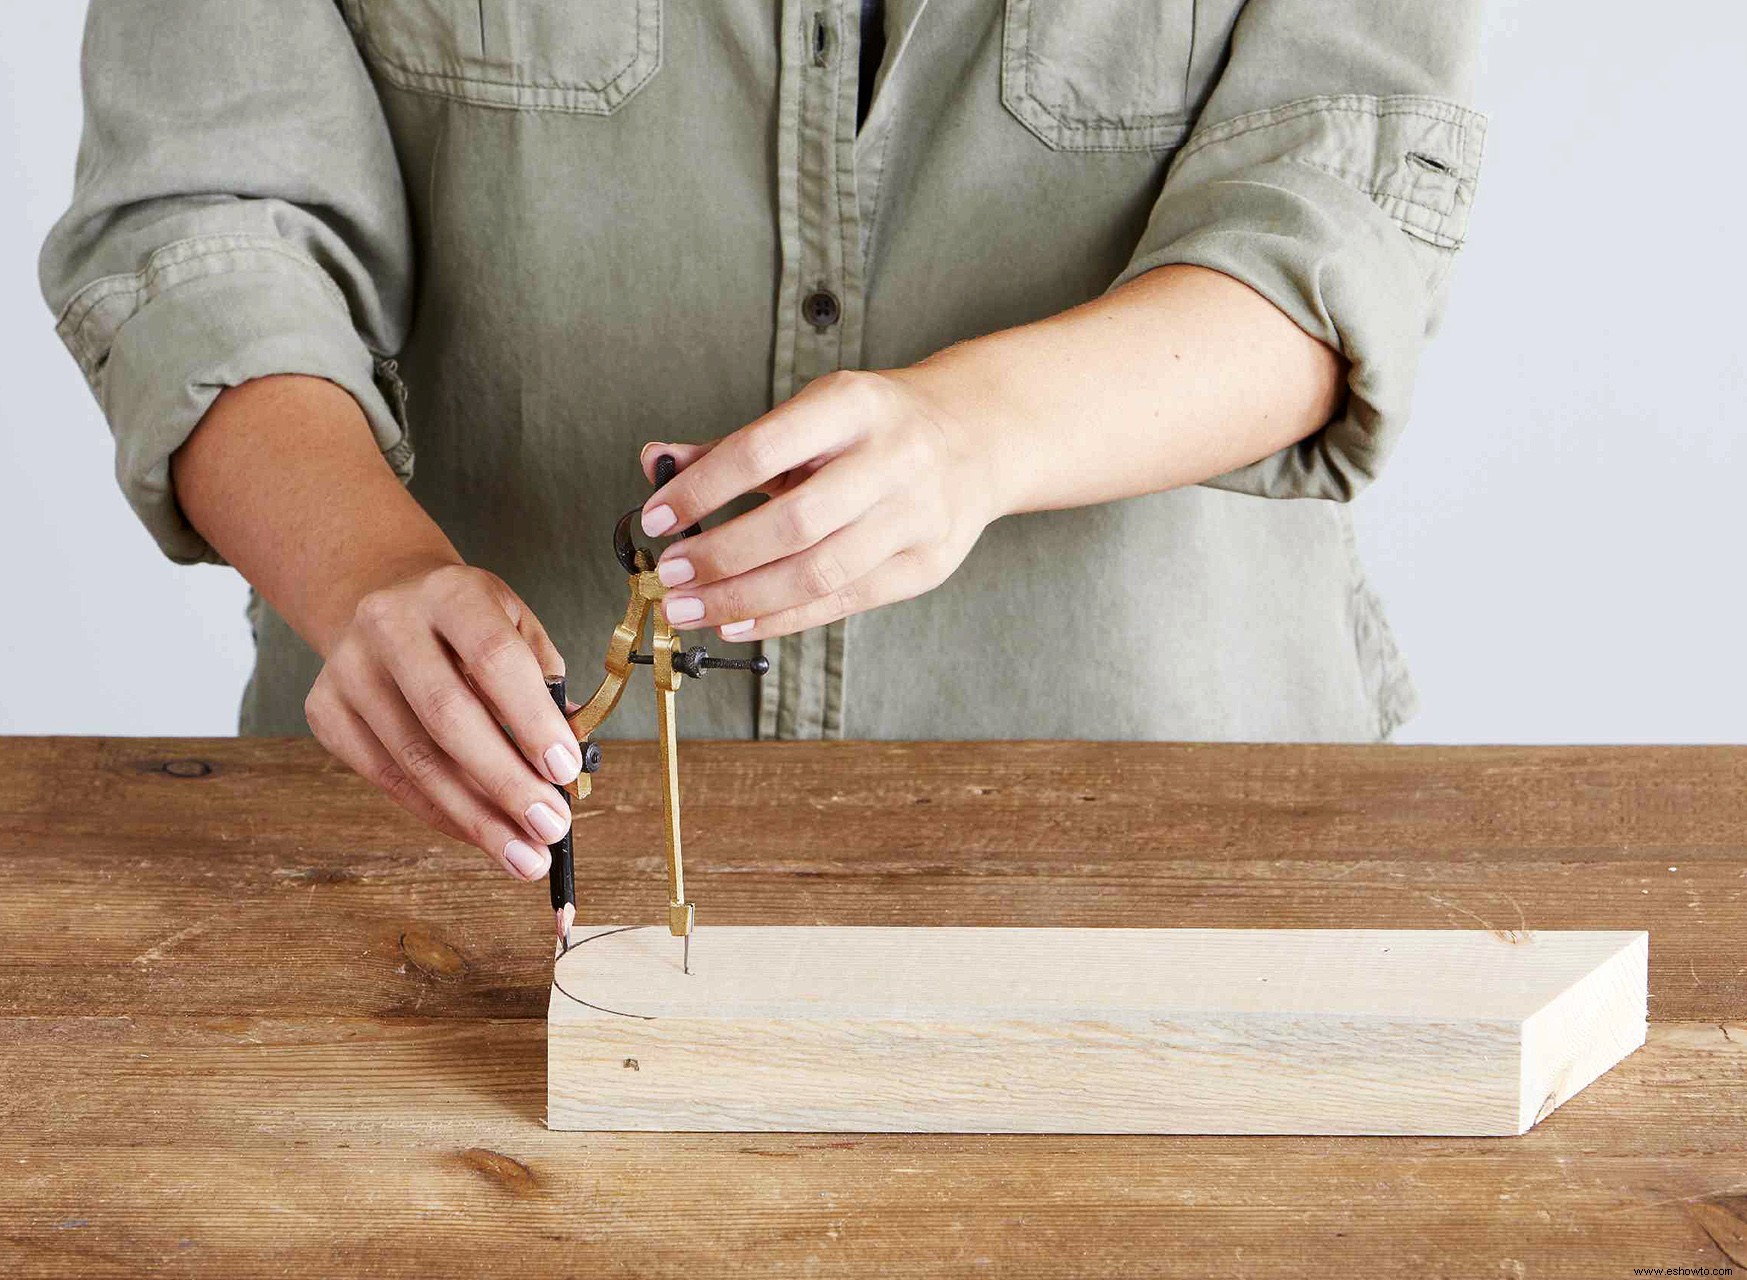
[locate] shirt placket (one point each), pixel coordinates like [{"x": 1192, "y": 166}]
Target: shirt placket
[{"x": 819, "y": 305}]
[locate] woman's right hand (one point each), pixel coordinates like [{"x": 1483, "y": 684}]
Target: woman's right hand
[{"x": 413, "y": 695}]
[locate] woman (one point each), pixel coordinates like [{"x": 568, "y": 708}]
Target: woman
[{"x": 1131, "y": 273}]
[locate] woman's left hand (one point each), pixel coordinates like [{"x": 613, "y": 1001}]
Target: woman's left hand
[{"x": 875, "y": 495}]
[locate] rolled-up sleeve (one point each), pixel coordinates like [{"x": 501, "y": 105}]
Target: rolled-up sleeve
[
  {"x": 237, "y": 212},
  {"x": 1332, "y": 170}
]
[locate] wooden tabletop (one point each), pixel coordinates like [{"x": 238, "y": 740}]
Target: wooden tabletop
[{"x": 255, "y": 1020}]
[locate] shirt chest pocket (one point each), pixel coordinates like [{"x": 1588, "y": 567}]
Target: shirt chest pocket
[
  {"x": 1105, "y": 75},
  {"x": 581, "y": 56}
]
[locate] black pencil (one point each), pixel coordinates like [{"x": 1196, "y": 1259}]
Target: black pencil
[{"x": 562, "y": 878}]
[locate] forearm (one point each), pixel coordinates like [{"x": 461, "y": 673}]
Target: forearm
[
  {"x": 1181, "y": 375},
  {"x": 283, "y": 478}
]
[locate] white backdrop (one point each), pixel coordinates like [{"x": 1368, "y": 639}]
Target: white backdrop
[{"x": 1558, "y": 539}]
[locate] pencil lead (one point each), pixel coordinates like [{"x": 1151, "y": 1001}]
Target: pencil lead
[
  {"x": 685, "y": 959},
  {"x": 565, "y": 917}
]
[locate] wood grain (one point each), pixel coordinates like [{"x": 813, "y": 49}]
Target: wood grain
[
  {"x": 999, "y": 1030},
  {"x": 254, "y": 1021}
]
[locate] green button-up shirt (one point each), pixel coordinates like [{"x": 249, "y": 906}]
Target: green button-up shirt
[{"x": 529, "y": 235}]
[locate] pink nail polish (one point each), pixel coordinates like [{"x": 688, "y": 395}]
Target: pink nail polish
[
  {"x": 545, "y": 820},
  {"x": 562, "y": 766},
  {"x": 529, "y": 863},
  {"x": 658, "y": 520},
  {"x": 683, "y": 609},
  {"x": 675, "y": 571},
  {"x": 729, "y": 630}
]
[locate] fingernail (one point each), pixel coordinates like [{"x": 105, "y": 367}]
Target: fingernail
[
  {"x": 729, "y": 630},
  {"x": 683, "y": 608},
  {"x": 562, "y": 766},
  {"x": 658, "y": 520},
  {"x": 529, "y": 863},
  {"x": 675, "y": 571},
  {"x": 544, "y": 819}
]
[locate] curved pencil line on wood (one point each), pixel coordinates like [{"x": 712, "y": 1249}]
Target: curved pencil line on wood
[{"x": 619, "y": 1013}]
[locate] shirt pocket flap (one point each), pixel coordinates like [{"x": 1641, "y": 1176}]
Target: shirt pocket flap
[
  {"x": 537, "y": 55},
  {"x": 1114, "y": 76}
]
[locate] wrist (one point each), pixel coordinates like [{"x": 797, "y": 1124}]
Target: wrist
[
  {"x": 339, "y": 602},
  {"x": 974, "y": 429}
]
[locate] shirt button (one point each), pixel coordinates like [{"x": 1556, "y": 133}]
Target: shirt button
[{"x": 821, "y": 309}]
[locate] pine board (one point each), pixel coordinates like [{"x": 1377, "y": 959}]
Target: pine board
[{"x": 1014, "y": 1030}]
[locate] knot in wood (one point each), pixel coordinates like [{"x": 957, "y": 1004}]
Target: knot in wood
[
  {"x": 427, "y": 952},
  {"x": 187, "y": 769},
  {"x": 501, "y": 1170}
]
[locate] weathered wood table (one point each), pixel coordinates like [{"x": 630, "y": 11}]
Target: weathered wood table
[{"x": 254, "y": 1020}]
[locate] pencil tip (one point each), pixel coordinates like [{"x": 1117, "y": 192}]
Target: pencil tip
[{"x": 685, "y": 959}]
